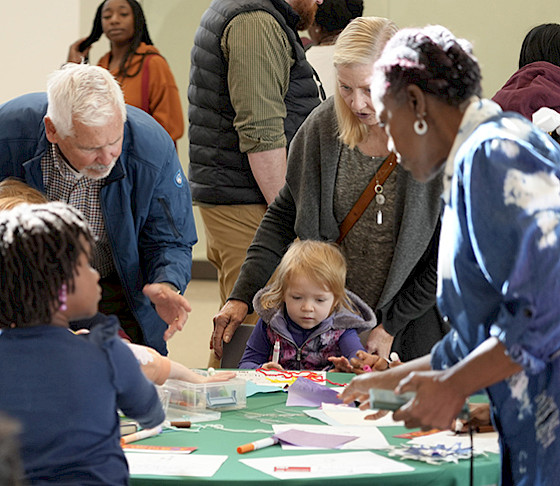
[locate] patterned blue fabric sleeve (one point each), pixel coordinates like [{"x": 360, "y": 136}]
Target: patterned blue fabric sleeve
[
  {"x": 512, "y": 211},
  {"x": 448, "y": 351}
]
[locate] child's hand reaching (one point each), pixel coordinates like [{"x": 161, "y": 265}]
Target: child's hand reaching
[
  {"x": 341, "y": 364},
  {"x": 271, "y": 365},
  {"x": 365, "y": 362},
  {"x": 219, "y": 376}
]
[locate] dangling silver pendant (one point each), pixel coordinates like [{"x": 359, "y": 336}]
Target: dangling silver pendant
[
  {"x": 379, "y": 217},
  {"x": 379, "y": 197}
]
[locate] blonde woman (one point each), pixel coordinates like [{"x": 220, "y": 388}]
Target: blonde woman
[{"x": 391, "y": 250}]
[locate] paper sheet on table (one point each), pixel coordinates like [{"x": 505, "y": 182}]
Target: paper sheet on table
[
  {"x": 344, "y": 415},
  {"x": 303, "y": 439},
  {"x": 367, "y": 438},
  {"x": 307, "y": 393},
  {"x": 277, "y": 378},
  {"x": 323, "y": 465},
  {"x": 154, "y": 464},
  {"x": 486, "y": 442},
  {"x": 252, "y": 389}
]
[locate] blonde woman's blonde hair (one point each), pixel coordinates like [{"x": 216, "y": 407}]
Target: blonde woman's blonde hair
[
  {"x": 321, "y": 262},
  {"x": 361, "y": 42}
]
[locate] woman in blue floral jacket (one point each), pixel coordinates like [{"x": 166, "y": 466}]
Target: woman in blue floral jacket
[{"x": 499, "y": 255}]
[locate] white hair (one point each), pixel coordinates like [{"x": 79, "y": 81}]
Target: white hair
[{"x": 85, "y": 94}]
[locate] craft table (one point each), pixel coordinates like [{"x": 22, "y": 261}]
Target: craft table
[{"x": 265, "y": 408}]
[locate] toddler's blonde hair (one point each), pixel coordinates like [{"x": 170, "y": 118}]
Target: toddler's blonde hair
[{"x": 320, "y": 262}]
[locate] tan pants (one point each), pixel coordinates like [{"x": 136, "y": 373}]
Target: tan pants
[{"x": 229, "y": 232}]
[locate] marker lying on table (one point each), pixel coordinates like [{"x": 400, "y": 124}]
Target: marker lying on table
[
  {"x": 258, "y": 444},
  {"x": 180, "y": 424},
  {"x": 143, "y": 434},
  {"x": 293, "y": 469}
]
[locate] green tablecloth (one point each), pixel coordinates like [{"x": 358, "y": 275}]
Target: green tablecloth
[{"x": 262, "y": 409}]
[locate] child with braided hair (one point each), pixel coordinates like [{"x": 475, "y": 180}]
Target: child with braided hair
[
  {"x": 156, "y": 367},
  {"x": 63, "y": 388}
]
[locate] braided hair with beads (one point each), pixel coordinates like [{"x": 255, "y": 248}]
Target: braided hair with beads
[{"x": 40, "y": 246}]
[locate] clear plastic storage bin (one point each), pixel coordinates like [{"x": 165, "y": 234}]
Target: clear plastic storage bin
[{"x": 222, "y": 395}]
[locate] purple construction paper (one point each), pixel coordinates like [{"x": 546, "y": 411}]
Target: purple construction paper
[
  {"x": 301, "y": 438},
  {"x": 306, "y": 393}
]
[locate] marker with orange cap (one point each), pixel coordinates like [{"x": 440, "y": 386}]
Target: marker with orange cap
[
  {"x": 143, "y": 434},
  {"x": 258, "y": 444}
]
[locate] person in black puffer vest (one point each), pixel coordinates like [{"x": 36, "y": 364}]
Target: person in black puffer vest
[{"x": 250, "y": 89}]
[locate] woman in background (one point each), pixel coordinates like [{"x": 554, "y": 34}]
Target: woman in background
[
  {"x": 330, "y": 20},
  {"x": 534, "y": 89},
  {"x": 144, "y": 75}
]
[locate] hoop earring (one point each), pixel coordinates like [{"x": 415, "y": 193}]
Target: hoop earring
[
  {"x": 420, "y": 127},
  {"x": 62, "y": 295}
]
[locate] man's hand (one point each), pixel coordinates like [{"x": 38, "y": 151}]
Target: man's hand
[
  {"x": 379, "y": 342},
  {"x": 172, "y": 307},
  {"x": 226, "y": 323}
]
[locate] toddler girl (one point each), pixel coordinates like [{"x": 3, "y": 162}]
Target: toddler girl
[
  {"x": 306, "y": 313},
  {"x": 64, "y": 389}
]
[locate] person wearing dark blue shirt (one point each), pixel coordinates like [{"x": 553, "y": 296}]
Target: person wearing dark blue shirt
[{"x": 64, "y": 389}]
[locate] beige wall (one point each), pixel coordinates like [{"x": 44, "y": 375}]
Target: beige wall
[
  {"x": 36, "y": 35},
  {"x": 495, "y": 27}
]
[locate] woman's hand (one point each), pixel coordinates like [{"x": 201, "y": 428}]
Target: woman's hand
[
  {"x": 358, "y": 388},
  {"x": 74, "y": 55},
  {"x": 379, "y": 342},
  {"x": 226, "y": 322},
  {"x": 437, "y": 402}
]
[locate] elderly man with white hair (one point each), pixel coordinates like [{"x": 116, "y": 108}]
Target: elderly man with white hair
[{"x": 79, "y": 143}]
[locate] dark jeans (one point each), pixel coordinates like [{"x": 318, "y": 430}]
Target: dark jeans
[{"x": 113, "y": 301}]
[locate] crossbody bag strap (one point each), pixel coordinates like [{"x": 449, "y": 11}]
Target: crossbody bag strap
[{"x": 367, "y": 196}]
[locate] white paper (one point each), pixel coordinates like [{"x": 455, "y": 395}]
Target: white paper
[
  {"x": 324, "y": 465},
  {"x": 344, "y": 415},
  {"x": 486, "y": 442},
  {"x": 278, "y": 378},
  {"x": 370, "y": 438},
  {"x": 158, "y": 464},
  {"x": 318, "y": 414}
]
